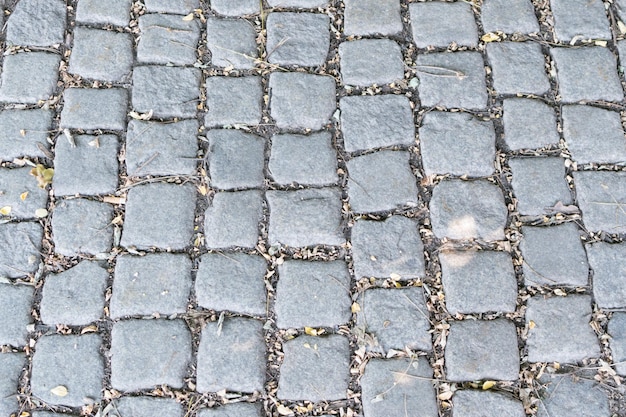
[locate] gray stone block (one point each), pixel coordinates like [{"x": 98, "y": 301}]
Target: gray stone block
[
  {"x": 101, "y": 54},
  {"x": 601, "y": 197},
  {"x": 82, "y": 227},
  {"x": 528, "y": 124},
  {"x": 233, "y": 101},
  {"x": 369, "y": 191},
  {"x": 232, "y": 282},
  {"x": 23, "y": 132},
  {"x": 73, "y": 362},
  {"x": 154, "y": 148},
  {"x": 452, "y": 80},
  {"x": 167, "y": 91},
  {"x": 468, "y": 210},
  {"x": 15, "y": 313},
  {"x": 87, "y": 108},
  {"x": 231, "y": 356},
  {"x": 226, "y": 227},
  {"x": 29, "y": 77},
  {"x": 115, "y": 12},
  {"x": 305, "y": 4},
  {"x": 585, "y": 20},
  {"x": 89, "y": 166},
  {"x": 21, "y": 243},
  {"x": 236, "y": 7},
  {"x": 479, "y": 349},
  {"x": 371, "y": 61},
  {"x": 617, "y": 331},
  {"x": 241, "y": 409},
  {"x": 509, "y": 16},
  {"x": 148, "y": 407},
  {"x": 549, "y": 341},
  {"x": 457, "y": 144},
  {"x": 310, "y": 160},
  {"x": 313, "y": 294},
  {"x": 470, "y": 403},
  {"x": 305, "y": 217},
  {"x": 395, "y": 318},
  {"x": 301, "y": 101},
  {"x": 518, "y": 67},
  {"x": 391, "y": 247},
  {"x": 37, "y": 23},
  {"x": 159, "y": 215},
  {"x": 172, "y": 6},
  {"x": 236, "y": 159},
  {"x": 19, "y": 191},
  {"x": 538, "y": 184},
  {"x": 376, "y": 121},
  {"x": 372, "y": 17},
  {"x": 588, "y": 73},
  {"x": 167, "y": 39},
  {"x": 298, "y": 38},
  {"x": 11, "y": 365},
  {"x": 593, "y": 134},
  {"x": 567, "y": 395},
  {"x": 478, "y": 282},
  {"x": 147, "y": 353},
  {"x": 315, "y": 369},
  {"x": 155, "y": 283},
  {"x": 74, "y": 297},
  {"x": 397, "y": 387},
  {"x": 440, "y": 24},
  {"x": 609, "y": 271},
  {"x": 232, "y": 42}
]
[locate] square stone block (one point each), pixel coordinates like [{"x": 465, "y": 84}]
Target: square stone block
[
  {"x": 241, "y": 409},
  {"x": 440, "y": 24},
  {"x": 518, "y": 67},
  {"x": 232, "y": 42},
  {"x": 29, "y": 77},
  {"x": 617, "y": 331},
  {"x": 148, "y": 407},
  {"x": 236, "y": 7},
  {"x": 82, "y": 227},
  {"x": 172, "y": 6},
  {"x": 15, "y": 314},
  {"x": 471, "y": 403},
  {"x": 568, "y": 395},
  {"x": 167, "y": 39},
  {"x": 167, "y": 91},
  {"x": 609, "y": 274},
  {"x": 236, "y": 159},
  {"x": 88, "y": 108},
  {"x": 115, "y": 12},
  {"x": 528, "y": 124},
  {"x": 392, "y": 247},
  {"x": 372, "y": 17},
  {"x": 37, "y": 23},
  {"x": 586, "y": 20},
  {"x": 101, "y": 54},
  {"x": 369, "y": 191},
  {"x": 20, "y": 192},
  {"x": 233, "y": 101},
  {"x": 601, "y": 197},
  {"x": 11, "y": 365},
  {"x": 301, "y": 39},
  {"x": 457, "y": 144},
  {"x": 21, "y": 254},
  {"x": 233, "y": 219},
  {"x": 367, "y": 62},
  {"x": 509, "y": 16},
  {"x": 23, "y": 132}
]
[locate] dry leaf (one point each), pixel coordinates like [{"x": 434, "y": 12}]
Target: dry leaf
[
  {"x": 395, "y": 276},
  {"x": 490, "y": 37},
  {"x": 41, "y": 213},
  {"x": 6, "y": 210},
  {"x": 560, "y": 292},
  {"x": 59, "y": 391},
  {"x": 311, "y": 331},
  {"x": 202, "y": 189},
  {"x": 488, "y": 384},
  {"x": 283, "y": 410},
  {"x": 355, "y": 307},
  {"x": 531, "y": 324},
  {"x": 622, "y": 27},
  {"x": 89, "y": 329},
  {"x": 139, "y": 116},
  {"x": 24, "y": 195},
  {"x": 44, "y": 175},
  {"x": 188, "y": 18},
  {"x": 600, "y": 43},
  {"x": 559, "y": 207},
  {"x": 446, "y": 395}
]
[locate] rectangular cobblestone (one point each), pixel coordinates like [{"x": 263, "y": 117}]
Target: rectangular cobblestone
[
  {"x": 29, "y": 77},
  {"x": 82, "y": 227},
  {"x": 617, "y": 330},
  {"x": 609, "y": 273},
  {"x": 236, "y": 159},
  {"x": 22, "y": 245},
  {"x": 233, "y": 101},
  {"x": 439, "y": 24},
  {"x": 101, "y": 54},
  {"x": 472, "y": 403},
  {"x": 167, "y": 39},
  {"x": 148, "y": 407},
  {"x": 19, "y": 192},
  {"x": 23, "y": 132},
  {"x": 11, "y": 365},
  {"x": 509, "y": 16},
  {"x": 236, "y": 7},
  {"x": 225, "y": 227},
  {"x": 566, "y": 395},
  {"x": 528, "y": 124},
  {"x": 37, "y": 23},
  {"x": 518, "y": 67},
  {"x": 166, "y": 91},
  {"x": 585, "y": 20},
  {"x": 171, "y": 6},
  {"x": 115, "y": 12},
  {"x": 367, "y": 62},
  {"x": 601, "y": 197},
  {"x": 15, "y": 314},
  {"x": 232, "y": 42},
  {"x": 301, "y": 39},
  {"x": 89, "y": 108},
  {"x": 372, "y": 17}
]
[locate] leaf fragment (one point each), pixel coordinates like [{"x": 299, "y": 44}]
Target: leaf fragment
[
  {"x": 139, "y": 116},
  {"x": 43, "y": 175},
  {"x": 59, "y": 391},
  {"x": 283, "y": 410},
  {"x": 355, "y": 307},
  {"x": 446, "y": 395},
  {"x": 5, "y": 211},
  {"x": 40, "y": 213},
  {"x": 311, "y": 331},
  {"x": 188, "y": 18},
  {"x": 24, "y": 195},
  {"x": 560, "y": 292},
  {"x": 488, "y": 385},
  {"x": 491, "y": 37}
]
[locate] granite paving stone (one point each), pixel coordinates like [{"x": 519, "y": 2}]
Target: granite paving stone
[
  {"x": 231, "y": 356},
  {"x": 539, "y": 183},
  {"x": 115, "y": 12},
  {"x": 29, "y": 77},
  {"x": 601, "y": 197},
  {"x": 518, "y": 67},
  {"x": 225, "y": 227},
  {"x": 89, "y": 166},
  {"x": 305, "y": 217},
  {"x": 147, "y": 353},
  {"x": 20, "y": 192},
  {"x": 480, "y": 349},
  {"x": 366, "y": 62},
  {"x": 101, "y": 54},
  {"x": 393, "y": 387},
  {"x": 468, "y": 210},
  {"x": 304, "y": 4},
  {"x": 452, "y": 80},
  {"x": 159, "y": 215},
  {"x": 157, "y": 283},
  {"x": 148, "y": 407},
  {"x": 167, "y": 91},
  {"x": 36, "y": 23},
  {"x": 587, "y": 74},
  {"x": 392, "y": 247},
  {"x": 457, "y": 144},
  {"x": 303, "y": 159},
  {"x": 15, "y": 309},
  {"x": 567, "y": 395},
  {"x": 301, "y": 39},
  {"x": 396, "y": 319},
  {"x": 89, "y": 108},
  {"x": 315, "y": 369},
  {"x": 478, "y": 281},
  {"x": 167, "y": 39},
  {"x": 241, "y": 409},
  {"x": 82, "y": 226},
  {"x": 440, "y": 24},
  {"x": 22, "y": 245},
  {"x": 470, "y": 403},
  {"x": 236, "y": 159},
  {"x": 11, "y": 365},
  {"x": 586, "y": 20},
  {"x": 369, "y": 191},
  {"x": 80, "y": 369},
  {"x": 233, "y": 101},
  {"x": 617, "y": 330},
  {"x": 301, "y": 101},
  {"x": 313, "y": 294},
  {"x": 594, "y": 134},
  {"x": 609, "y": 273},
  {"x": 172, "y": 6},
  {"x": 509, "y": 16},
  {"x": 554, "y": 256},
  {"x": 154, "y": 148},
  {"x": 376, "y": 121},
  {"x": 23, "y": 132},
  {"x": 74, "y": 297},
  {"x": 528, "y": 124},
  {"x": 549, "y": 341},
  {"x": 372, "y": 17},
  {"x": 235, "y": 7},
  {"x": 621, "y": 9},
  {"x": 232, "y": 282},
  {"x": 232, "y": 42}
]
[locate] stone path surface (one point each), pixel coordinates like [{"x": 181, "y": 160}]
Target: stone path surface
[{"x": 346, "y": 208}]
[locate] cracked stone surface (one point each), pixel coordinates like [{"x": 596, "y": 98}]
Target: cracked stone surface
[{"x": 601, "y": 198}]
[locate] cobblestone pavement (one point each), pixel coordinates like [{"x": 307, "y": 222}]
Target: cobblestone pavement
[{"x": 349, "y": 208}]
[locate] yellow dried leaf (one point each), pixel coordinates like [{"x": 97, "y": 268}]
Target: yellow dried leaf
[
  {"x": 44, "y": 175},
  {"x": 5, "y": 211},
  {"x": 488, "y": 384},
  {"x": 22, "y": 132},
  {"x": 202, "y": 189},
  {"x": 41, "y": 213},
  {"x": 531, "y": 324},
  {"x": 59, "y": 391},
  {"x": 560, "y": 292},
  {"x": 283, "y": 410},
  {"x": 311, "y": 331},
  {"x": 355, "y": 307},
  {"x": 188, "y": 18},
  {"x": 490, "y": 37},
  {"x": 446, "y": 395},
  {"x": 24, "y": 195}
]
